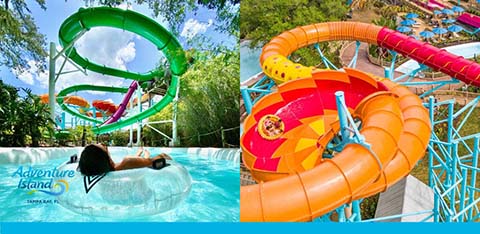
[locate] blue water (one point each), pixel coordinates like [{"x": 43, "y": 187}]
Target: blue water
[
  {"x": 249, "y": 61},
  {"x": 468, "y": 50},
  {"x": 214, "y": 195}
]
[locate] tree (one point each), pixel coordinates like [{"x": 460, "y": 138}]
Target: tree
[
  {"x": 36, "y": 117},
  {"x": 262, "y": 20},
  {"x": 209, "y": 100},
  {"x": 152, "y": 137},
  {"x": 77, "y": 133},
  {"x": 120, "y": 138},
  {"x": 386, "y": 21},
  {"x": 10, "y": 134},
  {"x": 22, "y": 118},
  {"x": 20, "y": 39},
  {"x": 174, "y": 11}
]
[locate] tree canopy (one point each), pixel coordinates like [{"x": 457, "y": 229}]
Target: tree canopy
[
  {"x": 175, "y": 11},
  {"x": 22, "y": 120},
  {"x": 20, "y": 39},
  {"x": 262, "y": 20},
  {"x": 209, "y": 100}
]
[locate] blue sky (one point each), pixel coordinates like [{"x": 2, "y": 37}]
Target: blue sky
[{"x": 108, "y": 46}]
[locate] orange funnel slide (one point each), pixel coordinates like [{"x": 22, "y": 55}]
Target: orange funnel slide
[
  {"x": 73, "y": 100},
  {"x": 287, "y": 132}
]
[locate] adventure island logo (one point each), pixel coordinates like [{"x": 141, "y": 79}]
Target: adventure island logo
[{"x": 52, "y": 181}]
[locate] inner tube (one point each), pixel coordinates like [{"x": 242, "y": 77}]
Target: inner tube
[{"x": 127, "y": 193}]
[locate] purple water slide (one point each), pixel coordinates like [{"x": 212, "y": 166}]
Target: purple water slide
[
  {"x": 123, "y": 105},
  {"x": 469, "y": 19}
]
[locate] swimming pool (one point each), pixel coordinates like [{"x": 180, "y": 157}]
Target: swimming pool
[
  {"x": 214, "y": 194},
  {"x": 249, "y": 63},
  {"x": 468, "y": 50}
]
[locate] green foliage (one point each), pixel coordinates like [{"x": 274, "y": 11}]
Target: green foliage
[
  {"x": 262, "y": 20},
  {"x": 22, "y": 119},
  {"x": 63, "y": 137},
  {"x": 386, "y": 21},
  {"x": 20, "y": 39},
  {"x": 120, "y": 138},
  {"x": 369, "y": 206},
  {"x": 77, "y": 133},
  {"x": 36, "y": 117},
  {"x": 151, "y": 137},
  {"x": 174, "y": 11},
  {"x": 209, "y": 100}
]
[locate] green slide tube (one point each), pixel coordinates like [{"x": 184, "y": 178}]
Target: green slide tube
[
  {"x": 76, "y": 88},
  {"x": 75, "y": 26}
]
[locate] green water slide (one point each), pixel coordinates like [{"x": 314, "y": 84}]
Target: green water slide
[{"x": 77, "y": 24}]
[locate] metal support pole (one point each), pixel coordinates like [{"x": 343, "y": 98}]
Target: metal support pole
[
  {"x": 130, "y": 142},
  {"x": 342, "y": 116},
  {"x": 174, "y": 123},
  {"x": 431, "y": 109},
  {"x": 341, "y": 213},
  {"x": 473, "y": 178},
  {"x": 223, "y": 137},
  {"x": 139, "y": 123},
  {"x": 436, "y": 205},
  {"x": 463, "y": 193},
  {"x": 453, "y": 175},
  {"x": 63, "y": 124},
  {"x": 356, "y": 211},
  {"x": 353, "y": 62},
  {"x": 386, "y": 72},
  {"x": 392, "y": 65},
  {"x": 247, "y": 101},
  {"x": 51, "y": 80}
]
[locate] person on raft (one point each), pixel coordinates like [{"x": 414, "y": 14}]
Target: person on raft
[{"x": 96, "y": 160}]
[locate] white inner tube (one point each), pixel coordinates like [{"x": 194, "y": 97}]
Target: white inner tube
[{"x": 128, "y": 193}]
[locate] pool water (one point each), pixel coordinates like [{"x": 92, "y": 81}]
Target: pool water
[
  {"x": 249, "y": 61},
  {"x": 214, "y": 194}
]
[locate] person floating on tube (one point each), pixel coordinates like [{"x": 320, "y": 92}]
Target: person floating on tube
[{"x": 96, "y": 160}]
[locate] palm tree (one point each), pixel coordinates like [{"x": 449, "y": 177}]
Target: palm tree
[
  {"x": 11, "y": 133},
  {"x": 36, "y": 116}
]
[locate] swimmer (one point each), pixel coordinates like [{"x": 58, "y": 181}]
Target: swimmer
[
  {"x": 268, "y": 123},
  {"x": 95, "y": 160}
]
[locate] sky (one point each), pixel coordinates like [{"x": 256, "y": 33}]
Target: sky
[{"x": 108, "y": 46}]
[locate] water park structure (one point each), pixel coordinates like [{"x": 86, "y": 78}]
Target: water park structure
[
  {"x": 103, "y": 115},
  {"x": 47, "y": 184},
  {"x": 320, "y": 141}
]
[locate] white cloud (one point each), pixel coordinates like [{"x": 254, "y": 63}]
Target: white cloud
[
  {"x": 27, "y": 76},
  {"x": 43, "y": 79},
  {"x": 125, "y": 6},
  {"x": 126, "y": 54},
  {"x": 110, "y": 47},
  {"x": 192, "y": 27}
]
